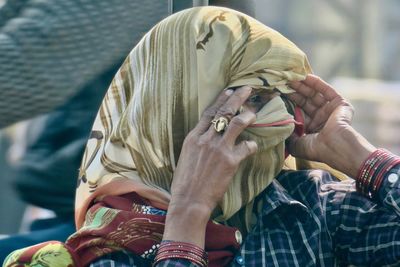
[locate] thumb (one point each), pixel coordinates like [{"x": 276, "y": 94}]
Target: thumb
[
  {"x": 245, "y": 149},
  {"x": 303, "y": 146}
]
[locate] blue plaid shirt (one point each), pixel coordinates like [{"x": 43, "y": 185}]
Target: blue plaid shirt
[{"x": 309, "y": 218}]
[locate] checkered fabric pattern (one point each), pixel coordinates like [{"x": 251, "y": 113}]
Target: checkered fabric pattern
[
  {"x": 308, "y": 218},
  {"x": 50, "y": 49}
]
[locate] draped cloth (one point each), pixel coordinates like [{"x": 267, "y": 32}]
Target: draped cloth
[
  {"x": 160, "y": 92},
  {"x": 158, "y": 95}
]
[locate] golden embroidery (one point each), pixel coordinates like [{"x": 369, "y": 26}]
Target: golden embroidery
[{"x": 137, "y": 228}]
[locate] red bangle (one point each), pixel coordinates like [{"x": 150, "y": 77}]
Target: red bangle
[
  {"x": 181, "y": 250},
  {"x": 371, "y": 174},
  {"x": 373, "y": 170},
  {"x": 365, "y": 170}
]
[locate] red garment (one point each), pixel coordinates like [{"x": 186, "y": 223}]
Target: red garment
[{"x": 131, "y": 230}]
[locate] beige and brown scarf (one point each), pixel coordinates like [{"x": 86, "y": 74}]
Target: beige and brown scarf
[{"x": 159, "y": 93}]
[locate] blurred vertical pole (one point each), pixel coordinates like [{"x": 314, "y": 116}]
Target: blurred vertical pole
[
  {"x": 372, "y": 38},
  {"x": 170, "y": 6},
  {"x": 178, "y": 5},
  {"x": 200, "y": 2}
]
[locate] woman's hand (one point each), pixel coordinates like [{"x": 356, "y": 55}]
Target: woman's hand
[
  {"x": 329, "y": 136},
  {"x": 326, "y": 115},
  {"x": 206, "y": 166}
]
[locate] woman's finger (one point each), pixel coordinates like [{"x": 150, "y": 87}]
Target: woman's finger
[
  {"x": 316, "y": 83},
  {"x": 302, "y": 88},
  {"x": 320, "y": 118},
  {"x": 303, "y": 102},
  {"x": 235, "y": 101},
  {"x": 318, "y": 100},
  {"x": 245, "y": 149},
  {"x": 209, "y": 113},
  {"x": 237, "y": 126},
  {"x": 323, "y": 114},
  {"x": 297, "y": 98},
  {"x": 230, "y": 107}
]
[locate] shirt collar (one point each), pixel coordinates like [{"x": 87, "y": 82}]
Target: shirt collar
[{"x": 274, "y": 196}]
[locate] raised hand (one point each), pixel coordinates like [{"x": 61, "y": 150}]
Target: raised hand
[
  {"x": 326, "y": 114},
  {"x": 206, "y": 166},
  {"x": 329, "y": 136}
]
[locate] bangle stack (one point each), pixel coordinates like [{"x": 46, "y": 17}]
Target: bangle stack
[
  {"x": 181, "y": 250},
  {"x": 373, "y": 170}
]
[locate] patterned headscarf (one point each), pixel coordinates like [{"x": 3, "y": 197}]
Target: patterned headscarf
[{"x": 160, "y": 92}]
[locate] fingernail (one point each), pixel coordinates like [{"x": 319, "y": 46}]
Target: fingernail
[
  {"x": 228, "y": 92},
  {"x": 247, "y": 88}
]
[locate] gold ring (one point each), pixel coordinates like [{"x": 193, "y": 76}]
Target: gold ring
[{"x": 220, "y": 124}]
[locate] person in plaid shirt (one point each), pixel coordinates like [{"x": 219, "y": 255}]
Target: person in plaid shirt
[
  {"x": 307, "y": 218},
  {"x": 303, "y": 218}
]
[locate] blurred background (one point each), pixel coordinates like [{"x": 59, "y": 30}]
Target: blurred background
[{"x": 353, "y": 44}]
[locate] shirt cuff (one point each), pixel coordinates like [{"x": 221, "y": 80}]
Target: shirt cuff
[{"x": 389, "y": 193}]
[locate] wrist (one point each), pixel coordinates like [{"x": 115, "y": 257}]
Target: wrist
[
  {"x": 187, "y": 223},
  {"x": 346, "y": 151},
  {"x": 189, "y": 211}
]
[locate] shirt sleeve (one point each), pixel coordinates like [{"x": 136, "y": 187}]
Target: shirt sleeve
[
  {"x": 367, "y": 232},
  {"x": 389, "y": 193},
  {"x": 49, "y": 49}
]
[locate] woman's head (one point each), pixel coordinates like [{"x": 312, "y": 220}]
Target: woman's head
[{"x": 166, "y": 82}]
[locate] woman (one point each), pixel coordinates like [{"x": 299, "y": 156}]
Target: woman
[{"x": 133, "y": 192}]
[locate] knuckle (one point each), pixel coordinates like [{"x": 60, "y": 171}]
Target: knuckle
[
  {"x": 239, "y": 98},
  {"x": 231, "y": 161},
  {"x": 342, "y": 101},
  {"x": 352, "y": 110},
  {"x": 226, "y": 111},
  {"x": 350, "y": 107},
  {"x": 247, "y": 148},
  {"x": 209, "y": 145},
  {"x": 191, "y": 138},
  {"x": 239, "y": 122},
  {"x": 209, "y": 112},
  {"x": 347, "y": 104},
  {"x": 203, "y": 141}
]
